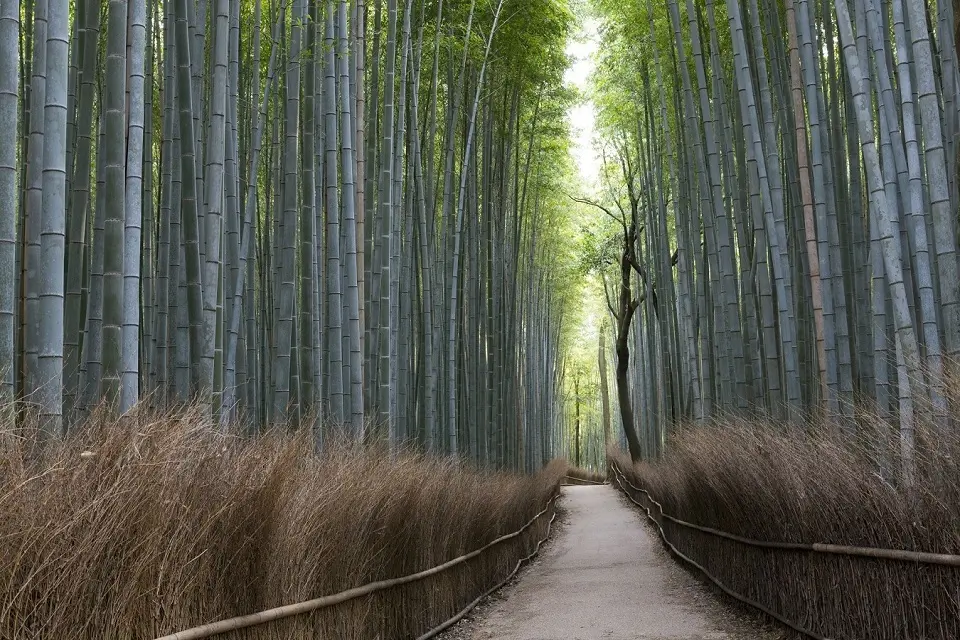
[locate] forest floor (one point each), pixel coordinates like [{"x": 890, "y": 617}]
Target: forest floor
[{"x": 605, "y": 575}]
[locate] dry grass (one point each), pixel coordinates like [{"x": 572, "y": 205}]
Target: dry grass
[
  {"x": 591, "y": 477},
  {"x": 761, "y": 482},
  {"x": 159, "y": 523}
]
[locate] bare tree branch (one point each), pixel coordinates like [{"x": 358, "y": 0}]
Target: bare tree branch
[{"x": 620, "y": 220}]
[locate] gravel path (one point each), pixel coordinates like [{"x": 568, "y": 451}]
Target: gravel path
[{"x": 605, "y": 576}]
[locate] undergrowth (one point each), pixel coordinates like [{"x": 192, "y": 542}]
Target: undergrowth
[
  {"x": 576, "y": 475},
  {"x": 768, "y": 482},
  {"x": 146, "y": 526}
]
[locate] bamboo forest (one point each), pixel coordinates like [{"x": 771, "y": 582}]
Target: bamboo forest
[
  {"x": 377, "y": 271},
  {"x": 289, "y": 209}
]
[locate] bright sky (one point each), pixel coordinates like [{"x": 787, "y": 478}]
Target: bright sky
[{"x": 582, "y": 118}]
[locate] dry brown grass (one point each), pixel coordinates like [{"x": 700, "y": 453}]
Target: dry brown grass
[
  {"x": 761, "y": 482},
  {"x": 575, "y": 474},
  {"x": 159, "y": 523}
]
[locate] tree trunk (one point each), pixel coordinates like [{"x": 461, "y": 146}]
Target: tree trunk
[
  {"x": 604, "y": 387},
  {"x": 576, "y": 421},
  {"x": 9, "y": 130},
  {"x": 627, "y": 308},
  {"x": 133, "y": 202},
  {"x": 53, "y": 226}
]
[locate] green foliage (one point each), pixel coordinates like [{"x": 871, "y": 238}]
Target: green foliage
[
  {"x": 600, "y": 244},
  {"x": 633, "y": 35}
]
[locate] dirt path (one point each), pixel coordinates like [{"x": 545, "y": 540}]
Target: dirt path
[{"x": 605, "y": 576}]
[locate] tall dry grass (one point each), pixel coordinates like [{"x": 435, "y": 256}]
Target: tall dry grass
[
  {"x": 140, "y": 528},
  {"x": 761, "y": 481},
  {"x": 578, "y": 475}
]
